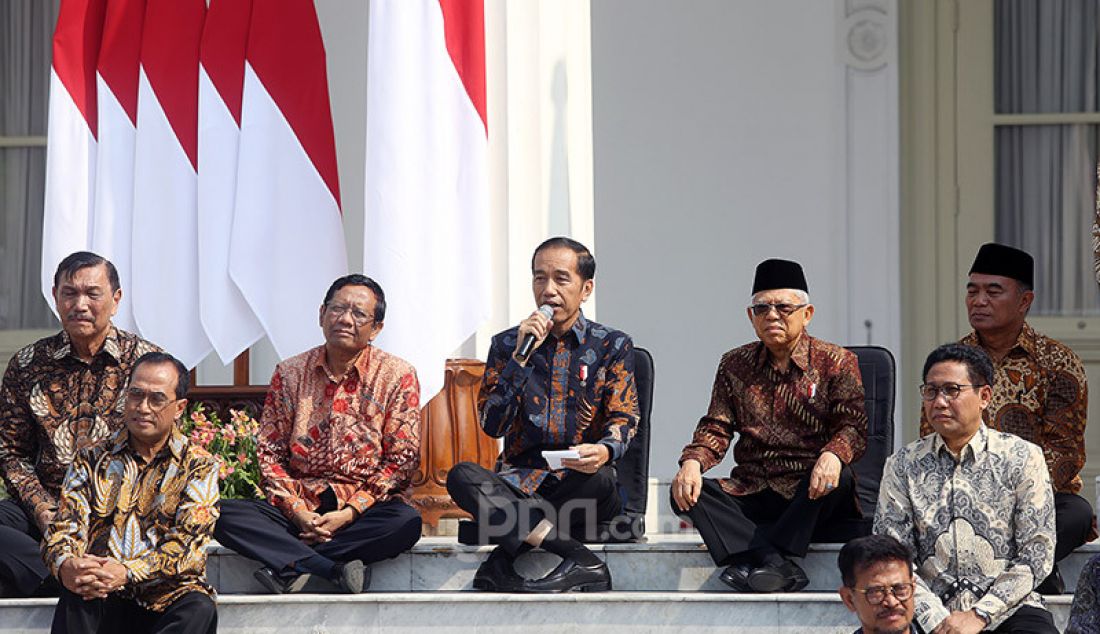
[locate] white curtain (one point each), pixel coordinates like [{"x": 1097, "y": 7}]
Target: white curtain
[
  {"x": 1046, "y": 62},
  {"x": 26, "y": 29}
]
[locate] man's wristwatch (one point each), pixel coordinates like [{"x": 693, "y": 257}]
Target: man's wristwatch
[{"x": 983, "y": 615}]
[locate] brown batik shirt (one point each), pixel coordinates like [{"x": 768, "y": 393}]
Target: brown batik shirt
[
  {"x": 155, "y": 518},
  {"x": 53, "y": 404},
  {"x": 359, "y": 436},
  {"x": 1041, "y": 394},
  {"x": 786, "y": 420}
]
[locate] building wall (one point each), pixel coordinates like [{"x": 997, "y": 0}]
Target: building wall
[{"x": 726, "y": 133}]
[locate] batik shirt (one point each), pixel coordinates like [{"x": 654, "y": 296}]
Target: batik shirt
[
  {"x": 575, "y": 389},
  {"x": 359, "y": 436},
  {"x": 786, "y": 419},
  {"x": 156, "y": 518},
  {"x": 1084, "y": 616},
  {"x": 52, "y": 404},
  {"x": 981, "y": 526},
  {"x": 1040, "y": 393}
]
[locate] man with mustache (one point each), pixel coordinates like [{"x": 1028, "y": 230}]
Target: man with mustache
[
  {"x": 339, "y": 443},
  {"x": 877, "y": 572},
  {"x": 974, "y": 504},
  {"x": 59, "y": 395},
  {"x": 796, "y": 403},
  {"x": 1040, "y": 392}
]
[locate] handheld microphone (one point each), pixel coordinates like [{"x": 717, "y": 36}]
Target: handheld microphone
[{"x": 529, "y": 341}]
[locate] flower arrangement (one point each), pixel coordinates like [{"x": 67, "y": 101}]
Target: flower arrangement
[{"x": 233, "y": 443}]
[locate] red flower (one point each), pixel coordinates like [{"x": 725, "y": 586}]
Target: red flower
[
  {"x": 340, "y": 405},
  {"x": 414, "y": 400},
  {"x": 407, "y": 381}
]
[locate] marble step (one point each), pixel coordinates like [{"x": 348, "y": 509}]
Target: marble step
[
  {"x": 469, "y": 612},
  {"x": 674, "y": 562}
]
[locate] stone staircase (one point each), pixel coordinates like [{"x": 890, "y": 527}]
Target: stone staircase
[{"x": 666, "y": 584}]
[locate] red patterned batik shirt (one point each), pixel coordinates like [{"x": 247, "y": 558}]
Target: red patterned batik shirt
[
  {"x": 786, "y": 419},
  {"x": 575, "y": 389},
  {"x": 359, "y": 436}
]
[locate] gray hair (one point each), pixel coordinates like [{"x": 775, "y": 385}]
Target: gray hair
[{"x": 803, "y": 296}]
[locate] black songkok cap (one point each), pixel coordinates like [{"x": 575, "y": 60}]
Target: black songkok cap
[
  {"x": 773, "y": 274},
  {"x": 1006, "y": 261}
]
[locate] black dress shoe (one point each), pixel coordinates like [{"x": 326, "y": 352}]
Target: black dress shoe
[
  {"x": 736, "y": 576},
  {"x": 273, "y": 582},
  {"x": 496, "y": 574},
  {"x": 352, "y": 577},
  {"x": 570, "y": 576},
  {"x": 785, "y": 577},
  {"x": 1053, "y": 584}
]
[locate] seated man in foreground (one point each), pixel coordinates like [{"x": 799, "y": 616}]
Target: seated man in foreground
[
  {"x": 1040, "y": 392},
  {"x": 797, "y": 403},
  {"x": 975, "y": 505},
  {"x": 137, "y": 511},
  {"x": 877, "y": 572},
  {"x": 338, "y": 445},
  {"x": 573, "y": 388}
]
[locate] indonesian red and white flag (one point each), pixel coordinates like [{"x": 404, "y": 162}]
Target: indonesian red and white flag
[
  {"x": 71, "y": 152},
  {"x": 228, "y": 320},
  {"x": 288, "y": 237},
  {"x": 116, "y": 103},
  {"x": 165, "y": 287},
  {"x": 427, "y": 209}
]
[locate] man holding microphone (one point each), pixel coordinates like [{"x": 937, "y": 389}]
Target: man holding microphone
[{"x": 557, "y": 381}]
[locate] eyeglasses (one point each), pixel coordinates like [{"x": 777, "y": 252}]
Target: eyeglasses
[
  {"x": 784, "y": 310},
  {"x": 929, "y": 392},
  {"x": 157, "y": 400},
  {"x": 339, "y": 310},
  {"x": 877, "y": 594}
]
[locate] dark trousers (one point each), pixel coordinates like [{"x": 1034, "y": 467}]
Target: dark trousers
[
  {"x": 193, "y": 613},
  {"x": 576, "y": 503},
  {"x": 21, "y": 564},
  {"x": 258, "y": 530},
  {"x": 1028, "y": 620},
  {"x": 734, "y": 525},
  {"x": 1072, "y": 520}
]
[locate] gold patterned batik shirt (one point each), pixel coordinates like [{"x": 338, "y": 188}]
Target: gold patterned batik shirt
[
  {"x": 980, "y": 525},
  {"x": 52, "y": 404},
  {"x": 359, "y": 436},
  {"x": 786, "y": 420},
  {"x": 156, "y": 518},
  {"x": 1041, "y": 394},
  {"x": 577, "y": 388}
]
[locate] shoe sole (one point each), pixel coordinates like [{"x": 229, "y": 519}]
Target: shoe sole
[
  {"x": 268, "y": 583},
  {"x": 738, "y": 586},
  {"x": 766, "y": 582},
  {"x": 353, "y": 576}
]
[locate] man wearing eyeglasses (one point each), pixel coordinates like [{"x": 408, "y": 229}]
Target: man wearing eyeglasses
[
  {"x": 1040, "y": 392},
  {"x": 797, "y": 404},
  {"x": 129, "y": 540},
  {"x": 974, "y": 504},
  {"x": 877, "y": 572},
  {"x": 339, "y": 443},
  {"x": 59, "y": 395}
]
